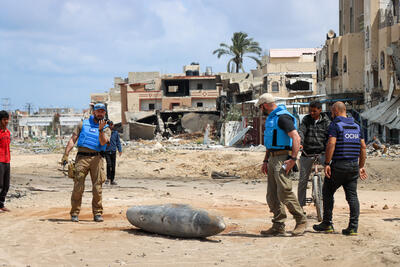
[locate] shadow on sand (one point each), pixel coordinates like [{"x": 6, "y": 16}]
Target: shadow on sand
[{"x": 141, "y": 232}]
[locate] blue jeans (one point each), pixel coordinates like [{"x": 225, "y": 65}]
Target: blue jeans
[{"x": 343, "y": 173}]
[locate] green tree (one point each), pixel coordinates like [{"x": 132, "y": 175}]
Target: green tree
[{"x": 241, "y": 45}]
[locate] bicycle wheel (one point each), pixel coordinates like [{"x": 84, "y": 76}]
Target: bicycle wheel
[{"x": 317, "y": 195}]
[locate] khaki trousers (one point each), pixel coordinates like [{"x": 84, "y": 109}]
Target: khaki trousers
[
  {"x": 280, "y": 194},
  {"x": 84, "y": 165}
]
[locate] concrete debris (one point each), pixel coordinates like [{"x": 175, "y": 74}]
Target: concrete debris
[
  {"x": 386, "y": 151},
  {"x": 195, "y": 122},
  {"x": 141, "y": 130},
  {"x": 259, "y": 148},
  {"x": 223, "y": 175},
  {"x": 239, "y": 136},
  {"x": 39, "y": 145}
]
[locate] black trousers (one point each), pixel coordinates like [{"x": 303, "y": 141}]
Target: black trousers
[
  {"x": 4, "y": 182},
  {"x": 111, "y": 158},
  {"x": 343, "y": 173}
]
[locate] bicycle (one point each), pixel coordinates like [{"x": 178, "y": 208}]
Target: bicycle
[{"x": 316, "y": 181}]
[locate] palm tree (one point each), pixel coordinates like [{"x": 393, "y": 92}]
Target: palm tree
[{"x": 241, "y": 45}]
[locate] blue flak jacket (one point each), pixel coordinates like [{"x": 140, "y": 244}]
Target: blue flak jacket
[
  {"x": 89, "y": 136},
  {"x": 275, "y": 137}
]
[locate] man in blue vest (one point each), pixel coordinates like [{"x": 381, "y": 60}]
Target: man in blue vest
[
  {"x": 344, "y": 162},
  {"x": 92, "y": 135},
  {"x": 282, "y": 142}
]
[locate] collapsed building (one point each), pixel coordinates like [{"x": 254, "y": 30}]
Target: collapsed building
[
  {"x": 361, "y": 65},
  {"x": 147, "y": 102}
]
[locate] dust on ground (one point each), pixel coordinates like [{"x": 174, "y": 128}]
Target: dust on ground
[{"x": 38, "y": 232}]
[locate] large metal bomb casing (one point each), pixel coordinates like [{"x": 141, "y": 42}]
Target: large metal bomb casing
[{"x": 177, "y": 220}]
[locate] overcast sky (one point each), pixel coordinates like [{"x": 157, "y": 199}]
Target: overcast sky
[{"x": 54, "y": 53}]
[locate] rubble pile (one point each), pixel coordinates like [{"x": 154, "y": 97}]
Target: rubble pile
[
  {"x": 391, "y": 151},
  {"x": 39, "y": 145}
]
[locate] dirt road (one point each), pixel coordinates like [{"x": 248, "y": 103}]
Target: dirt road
[{"x": 38, "y": 232}]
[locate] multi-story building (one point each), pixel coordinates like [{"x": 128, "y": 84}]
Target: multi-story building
[
  {"x": 362, "y": 63},
  {"x": 290, "y": 72},
  {"x": 150, "y": 91}
]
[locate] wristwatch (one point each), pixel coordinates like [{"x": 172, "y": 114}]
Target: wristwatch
[
  {"x": 327, "y": 163},
  {"x": 293, "y": 158}
]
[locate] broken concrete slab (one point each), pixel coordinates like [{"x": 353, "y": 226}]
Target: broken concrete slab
[
  {"x": 195, "y": 122},
  {"x": 139, "y": 130},
  {"x": 137, "y": 116},
  {"x": 239, "y": 136}
]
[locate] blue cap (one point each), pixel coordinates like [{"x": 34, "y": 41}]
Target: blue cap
[{"x": 99, "y": 106}]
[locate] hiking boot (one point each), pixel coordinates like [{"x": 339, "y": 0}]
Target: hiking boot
[
  {"x": 98, "y": 218},
  {"x": 113, "y": 183},
  {"x": 349, "y": 231},
  {"x": 299, "y": 229},
  {"x": 323, "y": 227},
  {"x": 74, "y": 218},
  {"x": 274, "y": 231},
  {"x": 107, "y": 181}
]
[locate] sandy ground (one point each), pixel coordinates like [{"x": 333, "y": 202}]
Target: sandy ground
[{"x": 37, "y": 232}]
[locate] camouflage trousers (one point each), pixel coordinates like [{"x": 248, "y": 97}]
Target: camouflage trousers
[{"x": 84, "y": 165}]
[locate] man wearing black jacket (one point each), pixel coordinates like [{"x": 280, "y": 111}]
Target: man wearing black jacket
[{"x": 314, "y": 136}]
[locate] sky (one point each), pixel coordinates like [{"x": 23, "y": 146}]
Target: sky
[{"x": 55, "y": 53}]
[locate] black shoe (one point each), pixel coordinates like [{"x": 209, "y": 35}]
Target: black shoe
[
  {"x": 323, "y": 227},
  {"x": 113, "y": 183},
  {"x": 350, "y": 231},
  {"x": 98, "y": 218},
  {"x": 74, "y": 218},
  {"x": 107, "y": 181}
]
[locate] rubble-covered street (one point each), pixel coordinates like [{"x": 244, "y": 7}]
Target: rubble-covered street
[{"x": 179, "y": 171}]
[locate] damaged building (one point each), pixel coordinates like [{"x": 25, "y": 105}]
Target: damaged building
[
  {"x": 47, "y": 122},
  {"x": 290, "y": 72},
  {"x": 150, "y": 101},
  {"x": 360, "y": 66}
]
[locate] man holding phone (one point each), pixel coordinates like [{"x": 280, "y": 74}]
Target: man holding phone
[{"x": 92, "y": 135}]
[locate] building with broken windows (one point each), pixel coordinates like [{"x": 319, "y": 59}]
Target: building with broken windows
[
  {"x": 240, "y": 87},
  {"x": 362, "y": 64},
  {"x": 150, "y": 91},
  {"x": 290, "y": 72},
  {"x": 146, "y": 100}
]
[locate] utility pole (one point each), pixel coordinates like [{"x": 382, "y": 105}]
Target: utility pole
[{"x": 29, "y": 107}]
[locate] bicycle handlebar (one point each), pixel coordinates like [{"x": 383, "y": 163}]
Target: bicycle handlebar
[{"x": 312, "y": 155}]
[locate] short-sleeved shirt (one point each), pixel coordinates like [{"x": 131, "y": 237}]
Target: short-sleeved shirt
[
  {"x": 77, "y": 131},
  {"x": 5, "y": 140},
  {"x": 286, "y": 123}
]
